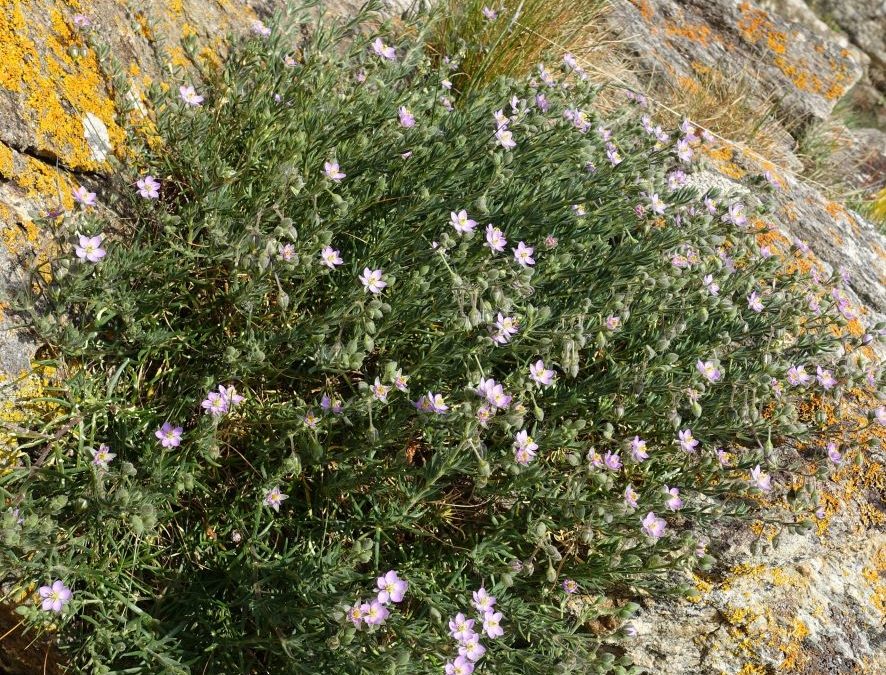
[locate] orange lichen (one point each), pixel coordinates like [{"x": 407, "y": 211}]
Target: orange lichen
[
  {"x": 688, "y": 84},
  {"x": 722, "y": 156},
  {"x": 699, "y": 33},
  {"x": 645, "y": 8},
  {"x": 874, "y": 574},
  {"x": 777, "y": 42}
]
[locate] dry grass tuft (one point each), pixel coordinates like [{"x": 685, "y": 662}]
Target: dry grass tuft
[
  {"x": 520, "y": 38},
  {"x": 730, "y": 107}
]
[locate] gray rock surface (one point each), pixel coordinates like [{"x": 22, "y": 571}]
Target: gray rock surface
[
  {"x": 864, "y": 21},
  {"x": 675, "y": 40}
]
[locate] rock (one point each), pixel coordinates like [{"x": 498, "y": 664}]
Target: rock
[
  {"x": 797, "y": 11},
  {"x": 864, "y": 157},
  {"x": 864, "y": 21},
  {"x": 806, "y": 73}
]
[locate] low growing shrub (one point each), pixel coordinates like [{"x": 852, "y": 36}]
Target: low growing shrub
[{"x": 350, "y": 356}]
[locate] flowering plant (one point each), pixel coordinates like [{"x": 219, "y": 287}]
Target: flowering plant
[{"x": 378, "y": 395}]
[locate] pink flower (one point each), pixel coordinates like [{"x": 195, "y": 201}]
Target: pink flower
[
  {"x": 460, "y": 666},
  {"x": 84, "y": 197},
  {"x": 215, "y": 404},
  {"x": 880, "y": 415},
  {"x": 638, "y": 449},
  {"x": 494, "y": 393},
  {"x": 507, "y": 327},
  {"x": 460, "y": 627},
  {"x": 653, "y": 526},
  {"x": 523, "y": 254},
  {"x": 825, "y": 378},
  {"x": 631, "y": 497},
  {"x": 311, "y": 420},
  {"x": 148, "y": 187},
  {"x": 612, "y": 154},
  {"x": 90, "y": 248},
  {"x": 570, "y": 586},
  {"x": 754, "y": 302},
  {"x": 541, "y": 375},
  {"x": 833, "y": 453},
  {"x": 686, "y": 440},
  {"x": 260, "y": 29},
  {"x": 82, "y": 21},
  {"x": 331, "y": 169},
  {"x": 524, "y": 448},
  {"x": 492, "y": 624},
  {"x": 471, "y": 648},
  {"x": 673, "y": 502},
  {"x": 436, "y": 403},
  {"x": 355, "y": 614},
  {"x": 330, "y": 257},
  {"x": 380, "y": 391},
  {"x": 461, "y": 222},
  {"x": 656, "y": 205},
  {"x": 407, "y": 120},
  {"x": 287, "y": 252},
  {"x": 329, "y": 404},
  {"x": 551, "y": 241},
  {"x": 684, "y": 152},
  {"x": 55, "y": 597},
  {"x": 711, "y": 285},
  {"x": 372, "y": 281},
  {"x": 274, "y": 498},
  {"x": 383, "y": 50},
  {"x": 103, "y": 456},
  {"x": 483, "y": 602},
  {"x": 230, "y": 395},
  {"x": 401, "y": 381},
  {"x": 170, "y": 437},
  {"x": 391, "y": 588},
  {"x": 495, "y": 239},
  {"x": 374, "y": 613},
  {"x": 190, "y": 96},
  {"x": 612, "y": 461},
  {"x": 736, "y": 215},
  {"x": 505, "y": 138},
  {"x": 797, "y": 376},
  {"x": 612, "y": 323},
  {"x": 760, "y": 480},
  {"x": 489, "y": 14},
  {"x": 709, "y": 370}
]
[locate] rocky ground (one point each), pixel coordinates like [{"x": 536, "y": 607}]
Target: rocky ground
[{"x": 793, "y": 603}]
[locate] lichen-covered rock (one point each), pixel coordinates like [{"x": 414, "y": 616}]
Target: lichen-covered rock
[
  {"x": 864, "y": 21},
  {"x": 678, "y": 40}
]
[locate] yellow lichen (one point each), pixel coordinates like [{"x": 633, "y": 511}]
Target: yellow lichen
[
  {"x": 20, "y": 408},
  {"x": 56, "y": 88}
]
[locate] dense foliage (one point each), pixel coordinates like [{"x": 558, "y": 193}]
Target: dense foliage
[{"x": 556, "y": 419}]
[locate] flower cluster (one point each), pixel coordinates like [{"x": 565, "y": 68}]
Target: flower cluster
[
  {"x": 501, "y": 327},
  {"x": 391, "y": 590},
  {"x": 464, "y": 631}
]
